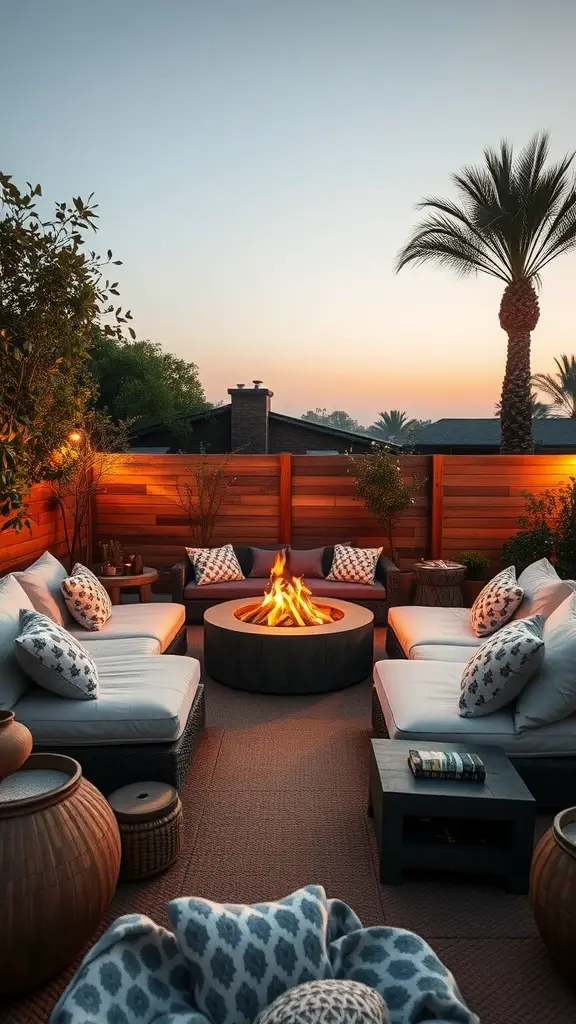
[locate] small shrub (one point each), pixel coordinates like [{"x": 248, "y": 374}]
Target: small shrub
[
  {"x": 547, "y": 530},
  {"x": 477, "y": 564}
]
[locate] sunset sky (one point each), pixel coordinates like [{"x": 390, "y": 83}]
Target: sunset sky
[{"x": 257, "y": 163}]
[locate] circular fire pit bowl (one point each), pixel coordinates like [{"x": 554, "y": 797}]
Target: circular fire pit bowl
[{"x": 289, "y": 660}]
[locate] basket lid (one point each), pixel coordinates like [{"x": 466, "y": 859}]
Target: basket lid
[{"x": 143, "y": 801}]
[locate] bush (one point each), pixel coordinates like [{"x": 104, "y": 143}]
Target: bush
[
  {"x": 477, "y": 564},
  {"x": 548, "y": 530}
]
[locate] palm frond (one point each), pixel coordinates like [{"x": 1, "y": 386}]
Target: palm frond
[{"x": 561, "y": 386}]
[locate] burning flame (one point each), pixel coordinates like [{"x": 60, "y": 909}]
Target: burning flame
[{"x": 286, "y": 602}]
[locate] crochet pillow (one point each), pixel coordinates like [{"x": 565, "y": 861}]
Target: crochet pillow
[
  {"x": 250, "y": 954},
  {"x": 501, "y": 667},
  {"x": 496, "y": 603},
  {"x": 86, "y": 599},
  {"x": 54, "y": 659},
  {"x": 327, "y": 1002},
  {"x": 215, "y": 565},
  {"x": 354, "y": 565}
]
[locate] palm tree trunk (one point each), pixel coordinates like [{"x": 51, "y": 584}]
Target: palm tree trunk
[{"x": 518, "y": 317}]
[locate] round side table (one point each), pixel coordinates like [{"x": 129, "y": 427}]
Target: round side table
[
  {"x": 143, "y": 581},
  {"x": 439, "y": 586},
  {"x": 149, "y": 816}
]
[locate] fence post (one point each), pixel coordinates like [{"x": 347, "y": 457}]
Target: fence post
[
  {"x": 285, "y": 494},
  {"x": 437, "y": 506}
]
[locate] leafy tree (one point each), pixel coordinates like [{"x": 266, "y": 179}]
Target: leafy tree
[
  {"x": 52, "y": 293},
  {"x": 137, "y": 380},
  {"x": 515, "y": 215},
  {"x": 560, "y": 386},
  {"x": 339, "y": 419},
  {"x": 382, "y": 488},
  {"x": 395, "y": 426},
  {"x": 539, "y": 410}
]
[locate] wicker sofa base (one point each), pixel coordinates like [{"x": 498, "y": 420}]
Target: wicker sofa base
[
  {"x": 551, "y": 780},
  {"x": 195, "y": 610},
  {"x": 111, "y": 766},
  {"x": 393, "y": 645},
  {"x": 179, "y": 644}
]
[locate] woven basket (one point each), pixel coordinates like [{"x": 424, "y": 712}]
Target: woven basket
[
  {"x": 151, "y": 836},
  {"x": 553, "y": 891}
]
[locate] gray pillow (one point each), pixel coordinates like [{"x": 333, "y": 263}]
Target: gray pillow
[
  {"x": 501, "y": 667},
  {"x": 13, "y": 681},
  {"x": 54, "y": 659},
  {"x": 53, "y": 572},
  {"x": 551, "y": 694},
  {"x": 543, "y": 590}
]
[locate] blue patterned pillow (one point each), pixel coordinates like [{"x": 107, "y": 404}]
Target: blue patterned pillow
[{"x": 243, "y": 957}]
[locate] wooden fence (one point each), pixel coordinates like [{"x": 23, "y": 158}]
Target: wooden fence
[{"x": 466, "y": 502}]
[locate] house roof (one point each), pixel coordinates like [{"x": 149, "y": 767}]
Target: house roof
[{"x": 555, "y": 432}]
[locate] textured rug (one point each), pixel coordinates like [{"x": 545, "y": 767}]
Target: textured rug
[{"x": 276, "y": 799}]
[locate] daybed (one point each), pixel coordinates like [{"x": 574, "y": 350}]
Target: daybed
[
  {"x": 377, "y": 597},
  {"x": 149, "y": 713},
  {"x": 416, "y": 691}
]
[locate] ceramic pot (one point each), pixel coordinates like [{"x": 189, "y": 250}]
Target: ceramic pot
[
  {"x": 15, "y": 744},
  {"x": 553, "y": 891}
]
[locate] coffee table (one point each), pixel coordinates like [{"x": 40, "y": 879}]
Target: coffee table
[
  {"x": 465, "y": 827},
  {"x": 143, "y": 581}
]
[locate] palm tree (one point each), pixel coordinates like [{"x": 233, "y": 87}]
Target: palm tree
[
  {"x": 515, "y": 215},
  {"x": 394, "y": 426},
  {"x": 539, "y": 410},
  {"x": 560, "y": 386}
]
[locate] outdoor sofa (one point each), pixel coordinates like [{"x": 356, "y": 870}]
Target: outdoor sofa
[
  {"x": 377, "y": 597},
  {"x": 149, "y": 713},
  {"x": 416, "y": 691}
]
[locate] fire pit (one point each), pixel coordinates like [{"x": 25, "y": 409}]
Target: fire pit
[{"x": 286, "y": 643}]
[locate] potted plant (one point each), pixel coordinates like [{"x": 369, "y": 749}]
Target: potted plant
[
  {"x": 478, "y": 568},
  {"x": 383, "y": 489}
]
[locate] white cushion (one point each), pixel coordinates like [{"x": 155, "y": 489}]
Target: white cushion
[
  {"x": 415, "y": 625},
  {"x": 501, "y": 667},
  {"x": 13, "y": 681},
  {"x": 159, "y": 620},
  {"x": 136, "y": 647},
  {"x": 496, "y": 603},
  {"x": 551, "y": 694},
  {"x": 543, "y": 590},
  {"x": 441, "y": 652},
  {"x": 54, "y": 659},
  {"x": 141, "y": 700},
  {"x": 53, "y": 572},
  {"x": 420, "y": 703},
  {"x": 86, "y": 599}
]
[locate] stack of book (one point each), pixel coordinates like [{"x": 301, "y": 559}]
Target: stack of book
[{"x": 446, "y": 764}]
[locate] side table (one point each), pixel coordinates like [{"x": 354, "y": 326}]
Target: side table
[
  {"x": 149, "y": 816},
  {"x": 439, "y": 586},
  {"x": 143, "y": 582}
]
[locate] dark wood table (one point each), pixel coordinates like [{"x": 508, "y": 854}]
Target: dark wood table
[
  {"x": 143, "y": 582},
  {"x": 466, "y": 827}
]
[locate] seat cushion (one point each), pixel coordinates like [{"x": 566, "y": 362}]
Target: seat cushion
[
  {"x": 13, "y": 680},
  {"x": 159, "y": 620},
  {"x": 347, "y": 591},
  {"x": 135, "y": 647},
  {"x": 414, "y": 625},
  {"x": 141, "y": 700},
  {"x": 419, "y": 700},
  {"x": 441, "y": 652}
]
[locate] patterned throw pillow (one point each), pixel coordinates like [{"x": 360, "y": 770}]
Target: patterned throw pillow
[
  {"x": 496, "y": 603},
  {"x": 86, "y": 599},
  {"x": 354, "y": 565},
  {"x": 215, "y": 565},
  {"x": 54, "y": 659},
  {"x": 327, "y": 1002},
  {"x": 501, "y": 667}
]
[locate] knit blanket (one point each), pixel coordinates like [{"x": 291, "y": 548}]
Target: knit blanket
[{"x": 225, "y": 963}]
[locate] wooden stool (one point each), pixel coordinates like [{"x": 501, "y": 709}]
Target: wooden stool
[{"x": 149, "y": 816}]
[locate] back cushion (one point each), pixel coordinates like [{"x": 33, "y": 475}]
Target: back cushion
[
  {"x": 52, "y": 572},
  {"x": 13, "y": 681},
  {"x": 544, "y": 591}
]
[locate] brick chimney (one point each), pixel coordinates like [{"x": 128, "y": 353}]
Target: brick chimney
[{"x": 250, "y": 408}]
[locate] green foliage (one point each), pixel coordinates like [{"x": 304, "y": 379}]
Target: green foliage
[
  {"x": 396, "y": 427},
  {"x": 338, "y": 418},
  {"x": 540, "y": 411},
  {"x": 52, "y": 293},
  {"x": 137, "y": 380},
  {"x": 547, "y": 530},
  {"x": 200, "y": 496},
  {"x": 560, "y": 386},
  {"x": 382, "y": 488},
  {"x": 476, "y": 564}
]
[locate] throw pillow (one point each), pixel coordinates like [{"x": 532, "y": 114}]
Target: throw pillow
[
  {"x": 496, "y": 603},
  {"x": 215, "y": 565},
  {"x": 327, "y": 1002},
  {"x": 53, "y": 572},
  {"x": 262, "y": 561},
  {"x": 13, "y": 681},
  {"x": 543, "y": 590},
  {"x": 35, "y": 585},
  {"x": 306, "y": 563},
  {"x": 86, "y": 599},
  {"x": 251, "y": 954},
  {"x": 551, "y": 695},
  {"x": 54, "y": 659},
  {"x": 354, "y": 565},
  {"x": 501, "y": 667}
]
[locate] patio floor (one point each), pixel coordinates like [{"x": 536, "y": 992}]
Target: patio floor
[{"x": 276, "y": 799}]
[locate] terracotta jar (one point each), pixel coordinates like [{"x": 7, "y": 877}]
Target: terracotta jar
[
  {"x": 553, "y": 891},
  {"x": 59, "y": 864},
  {"x": 15, "y": 744}
]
